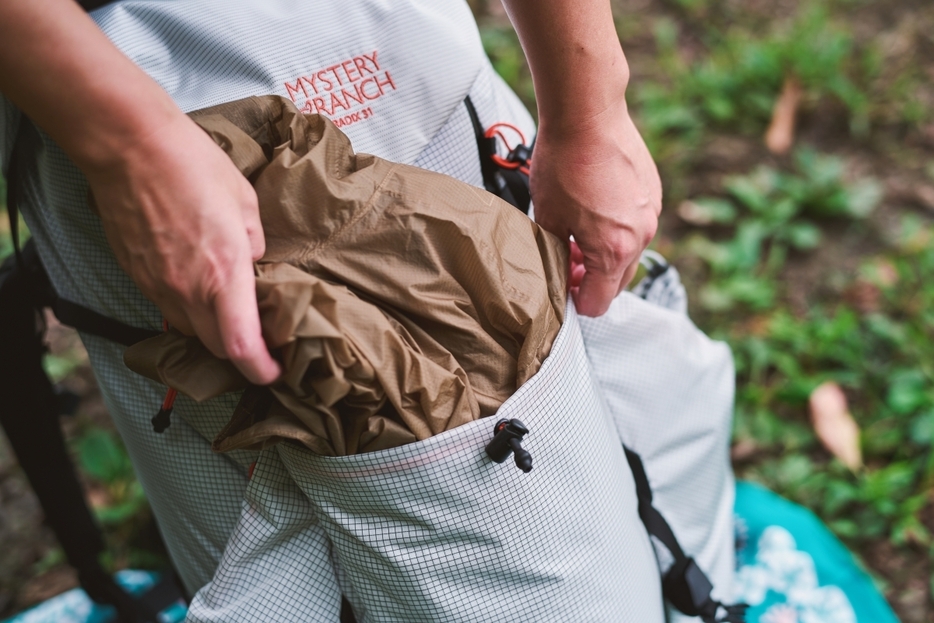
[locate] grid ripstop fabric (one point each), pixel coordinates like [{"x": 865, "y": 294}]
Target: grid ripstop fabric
[
  {"x": 177, "y": 469},
  {"x": 669, "y": 389},
  {"x": 198, "y": 497},
  {"x": 436, "y": 531}
]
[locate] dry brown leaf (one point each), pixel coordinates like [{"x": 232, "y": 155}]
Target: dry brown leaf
[
  {"x": 834, "y": 425},
  {"x": 693, "y": 213},
  {"x": 97, "y": 496},
  {"x": 925, "y": 196},
  {"x": 743, "y": 450},
  {"x": 781, "y": 133}
]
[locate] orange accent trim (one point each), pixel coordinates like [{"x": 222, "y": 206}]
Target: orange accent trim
[{"x": 494, "y": 130}]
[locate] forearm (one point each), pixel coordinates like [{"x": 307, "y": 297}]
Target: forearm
[
  {"x": 592, "y": 177},
  {"x": 578, "y": 67},
  {"x": 180, "y": 218},
  {"x": 62, "y": 71}
]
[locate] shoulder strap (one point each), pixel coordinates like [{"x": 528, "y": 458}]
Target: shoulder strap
[
  {"x": 510, "y": 183},
  {"x": 684, "y": 584}
]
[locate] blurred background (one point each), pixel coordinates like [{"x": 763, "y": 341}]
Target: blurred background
[{"x": 795, "y": 141}]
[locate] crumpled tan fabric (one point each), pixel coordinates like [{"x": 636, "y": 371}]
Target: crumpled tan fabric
[{"x": 400, "y": 302}]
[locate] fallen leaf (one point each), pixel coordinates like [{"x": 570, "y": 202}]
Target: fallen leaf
[
  {"x": 743, "y": 450},
  {"x": 925, "y": 196},
  {"x": 864, "y": 296},
  {"x": 834, "y": 425},
  {"x": 781, "y": 133},
  {"x": 98, "y": 497},
  {"x": 706, "y": 211}
]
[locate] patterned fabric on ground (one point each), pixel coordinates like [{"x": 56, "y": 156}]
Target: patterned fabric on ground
[
  {"x": 792, "y": 569},
  {"x": 75, "y": 606}
]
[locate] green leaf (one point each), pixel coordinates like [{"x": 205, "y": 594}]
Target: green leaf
[
  {"x": 756, "y": 292},
  {"x": 845, "y": 528},
  {"x": 103, "y": 458},
  {"x": 839, "y": 495},
  {"x": 753, "y": 190},
  {"x": 716, "y": 299},
  {"x": 720, "y": 109},
  {"x": 884, "y": 487},
  {"x": 803, "y": 235},
  {"x": 666, "y": 33},
  {"x": 907, "y": 392},
  {"x": 707, "y": 210},
  {"x": 863, "y": 197},
  {"x": 922, "y": 429},
  {"x": 910, "y": 530},
  {"x": 57, "y": 368}
]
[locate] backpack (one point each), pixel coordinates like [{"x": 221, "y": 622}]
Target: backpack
[{"x": 25, "y": 290}]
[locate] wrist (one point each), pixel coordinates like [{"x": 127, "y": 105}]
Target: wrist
[
  {"x": 593, "y": 94},
  {"x": 120, "y": 131}
]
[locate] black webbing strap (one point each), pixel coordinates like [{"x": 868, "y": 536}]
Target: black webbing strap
[
  {"x": 68, "y": 312},
  {"x": 684, "y": 584},
  {"x": 511, "y": 185},
  {"x": 30, "y": 409},
  {"x": 655, "y": 524},
  {"x": 89, "y": 321}
]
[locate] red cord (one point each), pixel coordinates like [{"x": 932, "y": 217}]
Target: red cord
[
  {"x": 169, "y": 400},
  {"x": 494, "y": 131}
]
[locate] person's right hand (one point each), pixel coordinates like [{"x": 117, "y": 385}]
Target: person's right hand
[
  {"x": 184, "y": 224},
  {"x": 181, "y": 219}
]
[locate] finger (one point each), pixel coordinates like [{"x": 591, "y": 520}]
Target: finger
[
  {"x": 628, "y": 275},
  {"x": 254, "y": 226},
  {"x": 240, "y": 332},
  {"x": 177, "y": 318},
  {"x": 577, "y": 274},
  {"x": 597, "y": 290}
]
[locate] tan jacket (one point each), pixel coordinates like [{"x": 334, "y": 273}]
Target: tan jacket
[{"x": 400, "y": 302}]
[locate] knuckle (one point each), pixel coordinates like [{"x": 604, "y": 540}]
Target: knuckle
[
  {"x": 650, "y": 231},
  {"x": 238, "y": 348}
]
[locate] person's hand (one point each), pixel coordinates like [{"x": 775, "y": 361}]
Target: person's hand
[
  {"x": 184, "y": 224},
  {"x": 597, "y": 182}
]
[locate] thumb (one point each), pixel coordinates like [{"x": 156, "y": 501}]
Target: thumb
[{"x": 253, "y": 224}]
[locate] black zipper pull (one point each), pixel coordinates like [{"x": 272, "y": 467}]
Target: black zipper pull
[
  {"x": 163, "y": 419},
  {"x": 507, "y": 439}
]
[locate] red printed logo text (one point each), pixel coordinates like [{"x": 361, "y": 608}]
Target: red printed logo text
[{"x": 344, "y": 90}]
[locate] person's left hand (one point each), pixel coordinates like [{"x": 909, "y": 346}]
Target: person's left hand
[{"x": 596, "y": 182}]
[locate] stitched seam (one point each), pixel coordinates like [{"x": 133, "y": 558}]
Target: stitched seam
[{"x": 368, "y": 206}]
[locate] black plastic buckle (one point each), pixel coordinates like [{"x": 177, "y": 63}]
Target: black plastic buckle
[
  {"x": 688, "y": 590},
  {"x": 521, "y": 154},
  {"x": 507, "y": 439}
]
